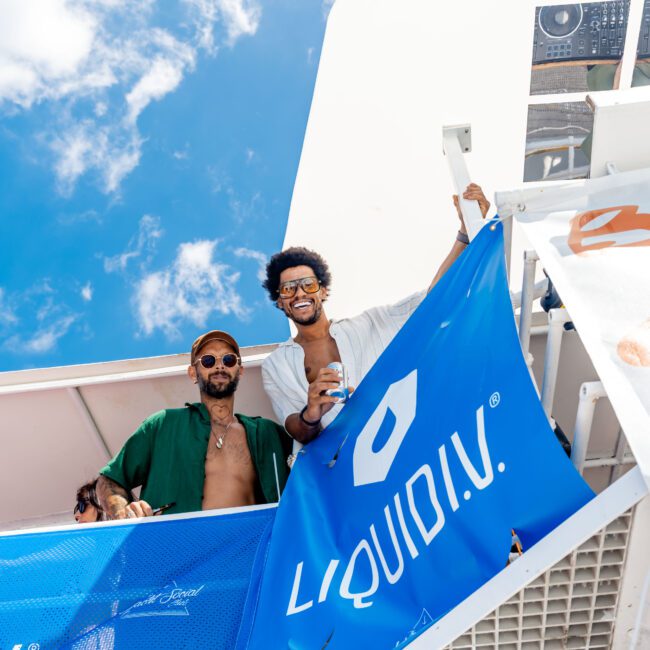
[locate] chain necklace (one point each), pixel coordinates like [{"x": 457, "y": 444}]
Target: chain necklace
[{"x": 218, "y": 441}]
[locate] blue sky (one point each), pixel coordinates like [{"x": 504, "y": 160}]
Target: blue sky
[{"x": 148, "y": 152}]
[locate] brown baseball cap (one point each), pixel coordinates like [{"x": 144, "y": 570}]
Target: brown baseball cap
[{"x": 213, "y": 335}]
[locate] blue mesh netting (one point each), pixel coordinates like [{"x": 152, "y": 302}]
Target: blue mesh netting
[{"x": 165, "y": 584}]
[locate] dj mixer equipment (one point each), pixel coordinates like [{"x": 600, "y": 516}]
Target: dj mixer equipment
[
  {"x": 643, "y": 48},
  {"x": 582, "y": 32}
]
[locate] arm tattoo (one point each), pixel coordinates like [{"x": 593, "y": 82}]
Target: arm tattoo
[{"x": 113, "y": 498}]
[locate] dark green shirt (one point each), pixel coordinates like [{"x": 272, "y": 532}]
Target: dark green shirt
[{"x": 166, "y": 456}]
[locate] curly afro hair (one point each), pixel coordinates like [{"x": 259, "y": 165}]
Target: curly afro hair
[{"x": 294, "y": 256}]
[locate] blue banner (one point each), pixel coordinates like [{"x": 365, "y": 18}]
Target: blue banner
[
  {"x": 401, "y": 509},
  {"x": 405, "y": 505},
  {"x": 172, "y": 583}
]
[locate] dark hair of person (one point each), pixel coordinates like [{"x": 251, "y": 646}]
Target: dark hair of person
[
  {"x": 87, "y": 493},
  {"x": 294, "y": 256}
]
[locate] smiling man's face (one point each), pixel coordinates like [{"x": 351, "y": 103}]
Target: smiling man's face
[{"x": 302, "y": 308}]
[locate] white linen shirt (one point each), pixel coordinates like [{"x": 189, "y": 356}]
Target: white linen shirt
[{"x": 360, "y": 341}]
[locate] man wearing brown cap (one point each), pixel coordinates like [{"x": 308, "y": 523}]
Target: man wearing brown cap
[{"x": 204, "y": 455}]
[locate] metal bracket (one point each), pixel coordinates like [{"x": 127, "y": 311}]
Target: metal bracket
[
  {"x": 463, "y": 132},
  {"x": 457, "y": 140},
  {"x": 590, "y": 393}
]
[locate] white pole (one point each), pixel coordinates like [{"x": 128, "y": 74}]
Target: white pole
[
  {"x": 557, "y": 318},
  {"x": 590, "y": 393},
  {"x": 615, "y": 463},
  {"x": 277, "y": 479},
  {"x": 507, "y": 219},
  {"x": 527, "y": 297},
  {"x": 456, "y": 140},
  {"x": 619, "y": 455},
  {"x": 539, "y": 289},
  {"x": 89, "y": 421}
]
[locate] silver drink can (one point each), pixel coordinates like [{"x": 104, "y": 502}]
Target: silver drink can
[{"x": 341, "y": 393}]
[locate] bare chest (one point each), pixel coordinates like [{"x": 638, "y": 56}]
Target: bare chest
[
  {"x": 229, "y": 470},
  {"x": 318, "y": 354}
]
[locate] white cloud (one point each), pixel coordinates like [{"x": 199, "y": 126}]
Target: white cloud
[
  {"x": 205, "y": 15},
  {"x": 87, "y": 292},
  {"x": 98, "y": 64},
  {"x": 250, "y": 154},
  {"x": 48, "y": 308},
  {"x": 143, "y": 243},
  {"x": 240, "y": 18},
  {"x": 195, "y": 288},
  {"x": 258, "y": 257},
  {"x": 310, "y": 55},
  {"x": 34, "y": 319},
  {"x": 242, "y": 210},
  {"x": 163, "y": 77},
  {"x": 120, "y": 165},
  {"x": 41, "y": 41},
  {"x": 7, "y": 314},
  {"x": 218, "y": 178},
  {"x": 80, "y": 217},
  {"x": 43, "y": 339},
  {"x": 112, "y": 151},
  {"x": 100, "y": 109}
]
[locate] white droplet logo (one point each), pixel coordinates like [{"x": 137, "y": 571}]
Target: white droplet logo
[{"x": 373, "y": 467}]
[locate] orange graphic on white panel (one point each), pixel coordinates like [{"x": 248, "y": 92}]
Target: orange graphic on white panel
[{"x": 622, "y": 225}]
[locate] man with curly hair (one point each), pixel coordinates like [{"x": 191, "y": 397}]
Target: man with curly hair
[{"x": 296, "y": 375}]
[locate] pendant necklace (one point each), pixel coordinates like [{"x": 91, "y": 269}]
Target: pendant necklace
[{"x": 220, "y": 440}]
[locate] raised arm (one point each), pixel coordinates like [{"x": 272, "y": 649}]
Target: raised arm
[
  {"x": 473, "y": 192},
  {"x": 116, "y": 501},
  {"x": 305, "y": 425},
  {"x": 301, "y": 417},
  {"x": 113, "y": 498}
]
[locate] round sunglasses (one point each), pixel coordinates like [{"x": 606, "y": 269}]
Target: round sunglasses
[
  {"x": 81, "y": 506},
  {"x": 210, "y": 360},
  {"x": 308, "y": 285}
]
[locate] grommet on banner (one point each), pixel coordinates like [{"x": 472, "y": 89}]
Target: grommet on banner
[{"x": 497, "y": 219}]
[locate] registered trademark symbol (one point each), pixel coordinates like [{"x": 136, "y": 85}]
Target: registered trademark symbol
[
  {"x": 33, "y": 646},
  {"x": 495, "y": 398}
]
